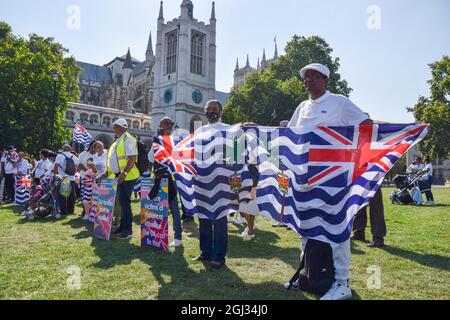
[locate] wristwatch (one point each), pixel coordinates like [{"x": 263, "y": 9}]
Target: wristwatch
[{"x": 125, "y": 173}]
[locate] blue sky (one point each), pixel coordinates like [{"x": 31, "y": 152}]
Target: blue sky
[{"x": 387, "y": 67}]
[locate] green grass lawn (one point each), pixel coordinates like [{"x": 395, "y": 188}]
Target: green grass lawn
[{"x": 35, "y": 257}]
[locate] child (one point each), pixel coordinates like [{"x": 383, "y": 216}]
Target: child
[
  {"x": 36, "y": 193},
  {"x": 89, "y": 180}
]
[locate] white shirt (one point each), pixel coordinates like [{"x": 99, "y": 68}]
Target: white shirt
[
  {"x": 329, "y": 110},
  {"x": 83, "y": 159},
  {"x": 61, "y": 161},
  {"x": 429, "y": 173},
  {"x": 22, "y": 167},
  {"x": 100, "y": 162},
  {"x": 415, "y": 168},
  {"x": 41, "y": 168},
  {"x": 10, "y": 168},
  {"x": 130, "y": 150}
]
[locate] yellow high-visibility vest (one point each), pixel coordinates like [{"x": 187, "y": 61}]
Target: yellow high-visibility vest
[{"x": 119, "y": 146}]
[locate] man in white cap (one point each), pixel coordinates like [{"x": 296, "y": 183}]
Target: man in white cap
[
  {"x": 327, "y": 109},
  {"x": 121, "y": 164}
]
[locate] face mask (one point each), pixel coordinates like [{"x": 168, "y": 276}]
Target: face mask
[{"x": 212, "y": 117}]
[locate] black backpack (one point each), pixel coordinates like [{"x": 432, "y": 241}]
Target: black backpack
[
  {"x": 71, "y": 168},
  {"x": 142, "y": 160},
  {"x": 316, "y": 273}
]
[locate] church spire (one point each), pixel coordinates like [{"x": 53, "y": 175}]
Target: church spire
[
  {"x": 149, "y": 51},
  {"x": 213, "y": 12},
  {"x": 258, "y": 65},
  {"x": 237, "y": 65},
  {"x": 276, "y": 49},
  {"x": 187, "y": 9},
  {"x": 128, "y": 64},
  {"x": 247, "y": 65},
  {"x": 161, "y": 12}
]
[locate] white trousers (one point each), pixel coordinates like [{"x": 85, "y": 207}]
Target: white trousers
[{"x": 341, "y": 258}]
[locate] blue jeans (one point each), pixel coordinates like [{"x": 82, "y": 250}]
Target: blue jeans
[
  {"x": 428, "y": 193},
  {"x": 124, "y": 191},
  {"x": 214, "y": 238},
  {"x": 177, "y": 229}
]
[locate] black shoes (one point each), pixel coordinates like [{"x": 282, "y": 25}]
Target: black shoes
[
  {"x": 124, "y": 236},
  {"x": 376, "y": 243},
  {"x": 215, "y": 265}
]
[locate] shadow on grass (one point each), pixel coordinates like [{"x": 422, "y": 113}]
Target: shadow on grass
[
  {"x": 186, "y": 283},
  {"x": 429, "y": 260},
  {"x": 354, "y": 249}
]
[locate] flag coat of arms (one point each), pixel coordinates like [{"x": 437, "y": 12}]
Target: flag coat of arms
[
  {"x": 333, "y": 172},
  {"x": 203, "y": 165}
]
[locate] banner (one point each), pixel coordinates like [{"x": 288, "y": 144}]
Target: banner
[
  {"x": 155, "y": 216},
  {"x": 105, "y": 207}
]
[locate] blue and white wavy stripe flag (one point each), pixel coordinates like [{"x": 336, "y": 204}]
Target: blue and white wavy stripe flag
[
  {"x": 333, "y": 172},
  {"x": 81, "y": 135},
  {"x": 23, "y": 185},
  {"x": 203, "y": 164}
]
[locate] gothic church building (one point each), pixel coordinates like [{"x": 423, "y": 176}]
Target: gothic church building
[{"x": 176, "y": 79}]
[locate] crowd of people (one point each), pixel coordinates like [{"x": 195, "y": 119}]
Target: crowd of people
[{"x": 91, "y": 166}]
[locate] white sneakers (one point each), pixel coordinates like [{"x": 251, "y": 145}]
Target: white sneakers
[
  {"x": 241, "y": 221},
  {"x": 338, "y": 291},
  {"x": 245, "y": 234},
  {"x": 176, "y": 243}
]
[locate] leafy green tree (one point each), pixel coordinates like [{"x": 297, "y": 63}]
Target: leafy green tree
[
  {"x": 27, "y": 91},
  {"x": 269, "y": 96},
  {"x": 435, "y": 110}
]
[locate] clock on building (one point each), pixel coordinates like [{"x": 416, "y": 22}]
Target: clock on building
[
  {"x": 168, "y": 95},
  {"x": 197, "y": 96}
]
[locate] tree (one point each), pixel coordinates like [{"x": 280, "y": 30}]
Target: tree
[
  {"x": 435, "y": 110},
  {"x": 26, "y": 90},
  {"x": 270, "y": 96}
]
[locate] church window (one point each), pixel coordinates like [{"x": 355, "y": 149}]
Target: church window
[
  {"x": 93, "y": 119},
  {"x": 84, "y": 118},
  {"x": 106, "y": 121},
  {"x": 171, "y": 52},
  {"x": 70, "y": 116},
  {"x": 197, "y": 52},
  {"x": 119, "y": 79}
]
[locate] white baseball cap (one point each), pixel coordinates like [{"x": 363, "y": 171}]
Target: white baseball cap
[
  {"x": 121, "y": 123},
  {"x": 315, "y": 66}
]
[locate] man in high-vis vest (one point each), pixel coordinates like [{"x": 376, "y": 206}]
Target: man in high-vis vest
[{"x": 121, "y": 164}]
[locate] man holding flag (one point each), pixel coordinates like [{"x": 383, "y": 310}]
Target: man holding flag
[{"x": 327, "y": 109}]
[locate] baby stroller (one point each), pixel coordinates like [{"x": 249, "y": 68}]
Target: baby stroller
[
  {"x": 409, "y": 189},
  {"x": 47, "y": 204}
]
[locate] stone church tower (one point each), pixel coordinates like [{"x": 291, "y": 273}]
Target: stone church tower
[{"x": 185, "y": 67}]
